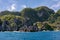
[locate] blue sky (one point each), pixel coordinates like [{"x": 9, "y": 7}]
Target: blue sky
[{"x": 18, "y": 5}]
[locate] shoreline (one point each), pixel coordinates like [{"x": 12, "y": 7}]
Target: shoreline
[{"x": 23, "y": 31}]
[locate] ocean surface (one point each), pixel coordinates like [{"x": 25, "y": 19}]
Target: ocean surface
[{"x": 30, "y": 35}]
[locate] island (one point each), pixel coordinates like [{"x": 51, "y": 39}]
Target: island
[{"x": 30, "y": 20}]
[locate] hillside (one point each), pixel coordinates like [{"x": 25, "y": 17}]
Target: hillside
[{"x": 30, "y": 20}]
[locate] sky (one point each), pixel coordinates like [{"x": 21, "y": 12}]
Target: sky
[{"x": 18, "y": 5}]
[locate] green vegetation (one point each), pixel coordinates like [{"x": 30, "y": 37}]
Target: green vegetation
[{"x": 30, "y": 20}]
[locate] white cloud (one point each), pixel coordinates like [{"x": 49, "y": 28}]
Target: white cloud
[
  {"x": 56, "y": 5},
  {"x": 12, "y": 7},
  {"x": 24, "y": 6}
]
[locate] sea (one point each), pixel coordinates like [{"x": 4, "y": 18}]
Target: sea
[{"x": 47, "y": 35}]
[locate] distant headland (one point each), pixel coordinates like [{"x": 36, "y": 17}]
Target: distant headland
[{"x": 30, "y": 20}]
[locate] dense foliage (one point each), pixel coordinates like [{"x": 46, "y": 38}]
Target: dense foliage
[{"x": 30, "y": 20}]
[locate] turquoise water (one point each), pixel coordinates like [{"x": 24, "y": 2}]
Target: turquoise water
[{"x": 29, "y": 35}]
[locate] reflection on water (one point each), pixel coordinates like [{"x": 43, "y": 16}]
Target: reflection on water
[{"x": 29, "y": 35}]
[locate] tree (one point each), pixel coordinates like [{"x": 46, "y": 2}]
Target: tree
[
  {"x": 0, "y": 25},
  {"x": 44, "y": 13},
  {"x": 10, "y": 12},
  {"x": 11, "y": 22},
  {"x": 48, "y": 27},
  {"x": 58, "y": 12},
  {"x": 30, "y": 15}
]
